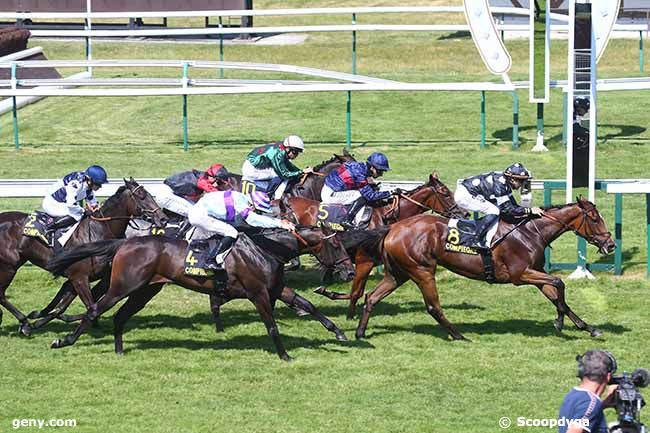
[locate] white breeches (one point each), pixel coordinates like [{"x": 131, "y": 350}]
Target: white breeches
[
  {"x": 249, "y": 172},
  {"x": 207, "y": 225},
  {"x": 58, "y": 209},
  {"x": 474, "y": 203},
  {"x": 328, "y": 195},
  {"x": 166, "y": 199}
]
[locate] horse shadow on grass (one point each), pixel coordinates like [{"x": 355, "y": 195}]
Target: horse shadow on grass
[
  {"x": 624, "y": 132},
  {"x": 523, "y": 327}
]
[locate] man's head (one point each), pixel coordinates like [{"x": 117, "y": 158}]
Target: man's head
[
  {"x": 378, "y": 163},
  {"x": 596, "y": 366},
  {"x": 581, "y": 106},
  {"x": 516, "y": 175},
  {"x": 216, "y": 172},
  {"x": 294, "y": 146},
  {"x": 97, "y": 177}
]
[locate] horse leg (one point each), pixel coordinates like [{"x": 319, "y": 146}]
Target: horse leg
[
  {"x": 65, "y": 288},
  {"x": 135, "y": 303},
  {"x": 63, "y": 304},
  {"x": 425, "y": 278},
  {"x": 385, "y": 287},
  {"x": 94, "y": 311},
  {"x": 299, "y": 303},
  {"x": 5, "y": 279},
  {"x": 262, "y": 302},
  {"x": 553, "y": 288},
  {"x": 362, "y": 271},
  {"x": 215, "y": 307},
  {"x": 97, "y": 292}
]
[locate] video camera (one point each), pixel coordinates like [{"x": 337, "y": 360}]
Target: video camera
[{"x": 629, "y": 401}]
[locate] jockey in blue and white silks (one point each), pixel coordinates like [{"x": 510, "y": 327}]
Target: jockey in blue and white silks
[
  {"x": 217, "y": 212},
  {"x": 351, "y": 183},
  {"x": 63, "y": 196}
]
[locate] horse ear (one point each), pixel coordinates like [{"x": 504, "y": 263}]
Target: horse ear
[
  {"x": 126, "y": 182},
  {"x": 435, "y": 175}
]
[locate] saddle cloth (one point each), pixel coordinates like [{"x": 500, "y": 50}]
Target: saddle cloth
[
  {"x": 460, "y": 236},
  {"x": 198, "y": 256},
  {"x": 332, "y": 215},
  {"x": 37, "y": 227}
]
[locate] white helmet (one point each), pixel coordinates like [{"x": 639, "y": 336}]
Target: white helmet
[{"x": 295, "y": 142}]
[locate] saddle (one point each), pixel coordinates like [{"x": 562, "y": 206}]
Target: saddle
[
  {"x": 175, "y": 229},
  {"x": 38, "y": 227},
  {"x": 333, "y": 215},
  {"x": 460, "y": 237},
  {"x": 199, "y": 254}
]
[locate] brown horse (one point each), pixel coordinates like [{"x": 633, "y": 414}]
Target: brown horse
[
  {"x": 109, "y": 222},
  {"x": 431, "y": 196},
  {"x": 413, "y": 248},
  {"x": 142, "y": 265}
]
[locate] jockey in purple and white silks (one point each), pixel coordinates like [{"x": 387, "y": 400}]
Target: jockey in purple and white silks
[
  {"x": 491, "y": 194},
  {"x": 63, "y": 197},
  {"x": 217, "y": 212},
  {"x": 352, "y": 183}
]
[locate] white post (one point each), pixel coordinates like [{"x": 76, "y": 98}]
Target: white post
[
  {"x": 593, "y": 118},
  {"x": 89, "y": 40},
  {"x": 569, "y": 91}
]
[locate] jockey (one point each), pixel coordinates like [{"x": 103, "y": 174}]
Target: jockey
[
  {"x": 272, "y": 162},
  {"x": 580, "y": 133},
  {"x": 353, "y": 183},
  {"x": 217, "y": 212},
  {"x": 63, "y": 197},
  {"x": 491, "y": 194},
  {"x": 181, "y": 190}
]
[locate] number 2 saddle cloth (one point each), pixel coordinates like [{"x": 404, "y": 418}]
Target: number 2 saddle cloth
[{"x": 37, "y": 227}]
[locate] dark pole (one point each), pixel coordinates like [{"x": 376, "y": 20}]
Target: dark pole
[{"x": 247, "y": 21}]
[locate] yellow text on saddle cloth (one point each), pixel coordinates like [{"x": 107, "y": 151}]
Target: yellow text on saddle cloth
[
  {"x": 459, "y": 241},
  {"x": 33, "y": 230}
]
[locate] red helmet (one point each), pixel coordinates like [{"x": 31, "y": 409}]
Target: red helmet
[{"x": 217, "y": 171}]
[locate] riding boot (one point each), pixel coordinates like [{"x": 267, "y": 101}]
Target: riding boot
[
  {"x": 482, "y": 227},
  {"x": 352, "y": 213},
  {"x": 62, "y": 222},
  {"x": 273, "y": 185},
  {"x": 218, "y": 255}
]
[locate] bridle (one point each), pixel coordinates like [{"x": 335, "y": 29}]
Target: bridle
[
  {"x": 393, "y": 212},
  {"x": 588, "y": 218},
  {"x": 139, "y": 209}
]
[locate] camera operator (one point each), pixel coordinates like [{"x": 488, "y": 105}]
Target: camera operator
[{"x": 582, "y": 404}]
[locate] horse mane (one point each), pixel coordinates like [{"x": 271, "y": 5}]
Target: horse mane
[
  {"x": 266, "y": 239},
  {"x": 334, "y": 158},
  {"x": 112, "y": 200},
  {"x": 558, "y": 206}
]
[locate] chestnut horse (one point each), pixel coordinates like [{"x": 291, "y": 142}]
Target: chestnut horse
[
  {"x": 431, "y": 196},
  {"x": 413, "y": 248},
  {"x": 108, "y": 222},
  {"x": 142, "y": 265}
]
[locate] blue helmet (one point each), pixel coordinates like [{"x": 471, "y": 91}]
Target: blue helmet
[
  {"x": 97, "y": 174},
  {"x": 581, "y": 103},
  {"x": 379, "y": 161}
]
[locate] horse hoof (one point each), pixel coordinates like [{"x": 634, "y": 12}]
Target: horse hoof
[
  {"x": 56, "y": 344},
  {"x": 301, "y": 313},
  {"x": 119, "y": 353},
  {"x": 25, "y": 330},
  {"x": 286, "y": 358},
  {"x": 360, "y": 335},
  {"x": 341, "y": 337},
  {"x": 34, "y": 315},
  {"x": 558, "y": 325},
  {"x": 596, "y": 333}
]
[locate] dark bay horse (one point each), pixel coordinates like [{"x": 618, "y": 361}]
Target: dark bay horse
[
  {"x": 108, "y": 222},
  {"x": 310, "y": 185},
  {"x": 142, "y": 265},
  {"x": 431, "y": 196},
  {"x": 413, "y": 248}
]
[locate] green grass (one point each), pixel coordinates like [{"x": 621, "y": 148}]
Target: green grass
[{"x": 178, "y": 375}]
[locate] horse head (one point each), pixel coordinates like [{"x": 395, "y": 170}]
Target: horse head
[
  {"x": 592, "y": 227},
  {"x": 328, "y": 249},
  {"x": 142, "y": 204},
  {"x": 435, "y": 195}
]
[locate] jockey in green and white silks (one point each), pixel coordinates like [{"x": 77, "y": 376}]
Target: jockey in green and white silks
[{"x": 272, "y": 162}]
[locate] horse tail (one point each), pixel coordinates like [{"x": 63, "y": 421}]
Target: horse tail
[
  {"x": 58, "y": 264},
  {"x": 369, "y": 240}
]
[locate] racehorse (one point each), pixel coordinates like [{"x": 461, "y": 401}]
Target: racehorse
[
  {"x": 413, "y": 248},
  {"x": 433, "y": 195},
  {"x": 108, "y": 222},
  {"x": 142, "y": 265}
]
